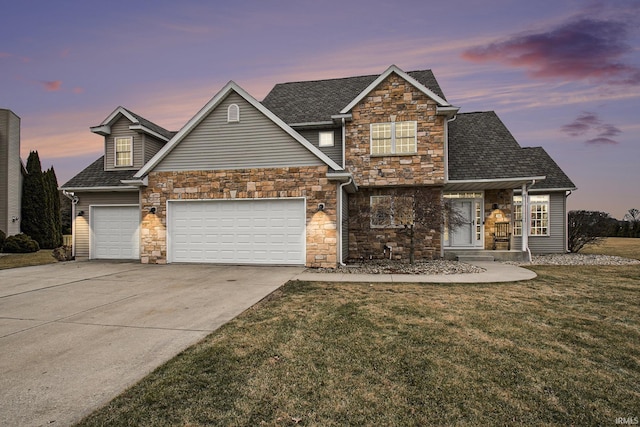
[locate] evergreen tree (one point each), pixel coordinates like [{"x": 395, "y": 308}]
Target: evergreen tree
[
  {"x": 53, "y": 209},
  {"x": 34, "y": 201}
]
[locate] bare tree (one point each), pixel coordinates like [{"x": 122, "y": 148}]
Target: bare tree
[
  {"x": 587, "y": 227},
  {"x": 423, "y": 211},
  {"x": 633, "y": 216}
]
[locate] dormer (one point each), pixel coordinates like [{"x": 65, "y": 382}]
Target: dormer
[{"x": 129, "y": 139}]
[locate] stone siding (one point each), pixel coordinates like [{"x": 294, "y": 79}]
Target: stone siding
[
  {"x": 308, "y": 182},
  {"x": 395, "y": 99},
  {"x": 367, "y": 242},
  {"x": 501, "y": 198}
]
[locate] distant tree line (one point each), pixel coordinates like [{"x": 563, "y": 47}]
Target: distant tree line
[{"x": 591, "y": 226}]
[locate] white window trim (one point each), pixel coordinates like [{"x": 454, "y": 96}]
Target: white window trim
[
  {"x": 233, "y": 113},
  {"x": 393, "y": 139},
  {"x": 115, "y": 151},
  {"x": 530, "y": 205},
  {"x": 321, "y": 144}
]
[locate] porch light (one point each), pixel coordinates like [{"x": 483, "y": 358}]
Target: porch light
[
  {"x": 320, "y": 207},
  {"x": 152, "y": 210},
  {"x": 494, "y": 206},
  {"x": 81, "y": 213}
]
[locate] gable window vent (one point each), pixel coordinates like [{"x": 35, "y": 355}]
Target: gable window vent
[{"x": 233, "y": 113}]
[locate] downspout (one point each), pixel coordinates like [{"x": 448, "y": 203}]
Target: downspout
[
  {"x": 446, "y": 177},
  {"x": 526, "y": 219},
  {"x": 343, "y": 143},
  {"x": 566, "y": 222},
  {"x": 74, "y": 201},
  {"x": 340, "y": 198}
]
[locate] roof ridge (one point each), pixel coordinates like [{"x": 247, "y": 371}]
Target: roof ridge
[{"x": 349, "y": 77}]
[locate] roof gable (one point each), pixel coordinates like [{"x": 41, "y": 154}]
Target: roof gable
[
  {"x": 393, "y": 69},
  {"x": 196, "y": 120},
  {"x": 316, "y": 101},
  {"x": 138, "y": 123}
]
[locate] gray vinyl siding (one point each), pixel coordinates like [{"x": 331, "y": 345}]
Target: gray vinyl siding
[
  {"x": 253, "y": 142},
  {"x": 151, "y": 147},
  {"x": 10, "y": 173},
  {"x": 119, "y": 129},
  {"x": 345, "y": 225},
  {"x": 81, "y": 223},
  {"x": 556, "y": 241},
  {"x": 335, "y": 152}
]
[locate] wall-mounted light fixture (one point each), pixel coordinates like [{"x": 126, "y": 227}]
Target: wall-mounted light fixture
[
  {"x": 81, "y": 213},
  {"x": 14, "y": 219},
  {"x": 152, "y": 210},
  {"x": 494, "y": 206},
  {"x": 320, "y": 207}
]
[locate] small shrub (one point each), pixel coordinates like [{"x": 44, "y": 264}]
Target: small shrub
[
  {"x": 3, "y": 238},
  {"x": 63, "y": 253},
  {"x": 20, "y": 244}
]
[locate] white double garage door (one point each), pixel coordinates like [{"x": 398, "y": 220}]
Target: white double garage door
[{"x": 270, "y": 231}]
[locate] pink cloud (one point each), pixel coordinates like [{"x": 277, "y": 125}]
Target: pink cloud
[
  {"x": 590, "y": 123},
  {"x": 77, "y": 90},
  {"x": 52, "y": 86},
  {"x": 601, "y": 141},
  {"x": 5, "y": 55},
  {"x": 584, "y": 48}
]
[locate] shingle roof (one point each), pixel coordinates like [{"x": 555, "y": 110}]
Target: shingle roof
[
  {"x": 556, "y": 178},
  {"x": 481, "y": 147},
  {"x": 317, "y": 100},
  {"x": 150, "y": 125},
  {"x": 94, "y": 175}
]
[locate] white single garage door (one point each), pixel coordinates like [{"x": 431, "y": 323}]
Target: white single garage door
[
  {"x": 237, "y": 231},
  {"x": 115, "y": 232}
]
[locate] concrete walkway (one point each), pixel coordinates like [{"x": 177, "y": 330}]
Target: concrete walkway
[{"x": 494, "y": 272}]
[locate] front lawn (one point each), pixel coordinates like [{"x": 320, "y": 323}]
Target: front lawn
[
  {"x": 44, "y": 256},
  {"x": 563, "y": 349},
  {"x": 619, "y": 246}
]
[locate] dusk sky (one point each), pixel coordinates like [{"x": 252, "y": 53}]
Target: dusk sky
[{"x": 561, "y": 74}]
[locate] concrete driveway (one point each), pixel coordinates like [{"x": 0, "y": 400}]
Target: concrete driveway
[{"x": 74, "y": 335}]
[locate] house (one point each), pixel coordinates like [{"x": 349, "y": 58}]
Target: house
[
  {"x": 11, "y": 173},
  {"x": 313, "y": 175}
]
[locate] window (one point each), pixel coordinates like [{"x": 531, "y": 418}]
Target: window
[
  {"x": 124, "y": 151},
  {"x": 393, "y": 138},
  {"x": 517, "y": 215},
  {"x": 387, "y": 211},
  {"x": 325, "y": 139},
  {"x": 539, "y": 215},
  {"x": 233, "y": 113}
]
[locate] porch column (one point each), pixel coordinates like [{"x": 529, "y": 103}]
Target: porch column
[{"x": 526, "y": 218}]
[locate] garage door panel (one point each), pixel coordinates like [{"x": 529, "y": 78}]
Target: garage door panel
[
  {"x": 115, "y": 232},
  {"x": 238, "y": 231}
]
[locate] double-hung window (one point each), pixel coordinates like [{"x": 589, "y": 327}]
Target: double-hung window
[
  {"x": 393, "y": 138},
  {"x": 538, "y": 214},
  {"x": 124, "y": 151}
]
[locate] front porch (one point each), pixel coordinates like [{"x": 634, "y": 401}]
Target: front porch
[{"x": 463, "y": 255}]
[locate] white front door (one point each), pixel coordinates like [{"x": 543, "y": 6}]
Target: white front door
[
  {"x": 469, "y": 232},
  {"x": 462, "y": 234}
]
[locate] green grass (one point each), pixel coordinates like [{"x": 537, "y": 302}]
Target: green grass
[
  {"x": 563, "y": 349},
  {"x": 44, "y": 256}
]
